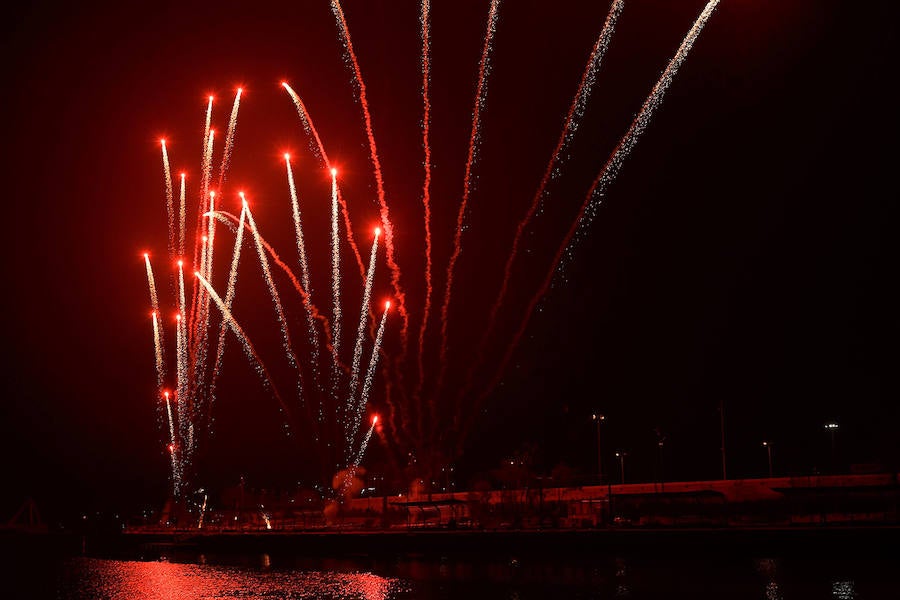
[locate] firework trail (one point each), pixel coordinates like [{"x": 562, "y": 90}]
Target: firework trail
[
  {"x": 158, "y": 352},
  {"x": 335, "y": 264},
  {"x": 335, "y": 290},
  {"x": 200, "y": 324},
  {"x": 426, "y": 194},
  {"x": 200, "y": 242},
  {"x": 206, "y": 270},
  {"x": 154, "y": 303},
  {"x": 206, "y": 161},
  {"x": 171, "y": 421},
  {"x": 229, "y": 299},
  {"x": 354, "y": 464},
  {"x": 379, "y": 182},
  {"x": 304, "y": 272},
  {"x": 151, "y": 282},
  {"x": 298, "y": 226},
  {"x": 181, "y": 298},
  {"x": 249, "y": 350},
  {"x": 319, "y": 150},
  {"x": 229, "y": 138},
  {"x": 181, "y": 218},
  {"x": 611, "y": 169},
  {"x": 181, "y": 384},
  {"x": 365, "y": 443},
  {"x": 373, "y": 363},
  {"x": 225, "y": 217},
  {"x": 170, "y": 209},
  {"x": 573, "y": 120},
  {"x": 205, "y": 169},
  {"x": 276, "y": 299},
  {"x": 480, "y": 99},
  {"x": 204, "y": 248},
  {"x": 176, "y": 477},
  {"x": 591, "y": 201},
  {"x": 363, "y": 312},
  {"x": 181, "y": 352}
]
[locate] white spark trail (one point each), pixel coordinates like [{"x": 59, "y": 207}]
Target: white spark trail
[
  {"x": 154, "y": 303},
  {"x": 181, "y": 297},
  {"x": 182, "y": 216},
  {"x": 229, "y": 300},
  {"x": 206, "y": 160},
  {"x": 357, "y": 350},
  {"x": 335, "y": 291},
  {"x": 176, "y": 476},
  {"x": 151, "y": 282},
  {"x": 170, "y": 209},
  {"x": 373, "y": 363},
  {"x": 304, "y": 279},
  {"x": 335, "y": 264},
  {"x": 229, "y": 139},
  {"x": 611, "y": 168},
  {"x": 484, "y": 69},
  {"x": 249, "y": 350},
  {"x": 158, "y": 353},
  {"x": 276, "y": 299},
  {"x": 182, "y": 379},
  {"x": 591, "y": 203}
]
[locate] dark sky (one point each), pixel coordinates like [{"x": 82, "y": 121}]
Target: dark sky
[{"x": 744, "y": 254}]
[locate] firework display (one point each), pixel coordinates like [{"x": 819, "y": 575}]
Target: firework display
[{"x": 335, "y": 385}]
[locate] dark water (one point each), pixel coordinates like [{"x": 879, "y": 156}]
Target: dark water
[{"x": 261, "y": 576}]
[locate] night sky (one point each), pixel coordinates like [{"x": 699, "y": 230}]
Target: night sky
[{"x": 744, "y": 255}]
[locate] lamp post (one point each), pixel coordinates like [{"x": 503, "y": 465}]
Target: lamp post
[
  {"x": 621, "y": 454},
  {"x": 598, "y": 419},
  {"x": 768, "y": 447},
  {"x": 832, "y": 427}
]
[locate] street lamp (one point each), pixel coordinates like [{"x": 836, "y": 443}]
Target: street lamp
[
  {"x": 621, "y": 454},
  {"x": 832, "y": 427},
  {"x": 599, "y": 418},
  {"x": 768, "y": 448}
]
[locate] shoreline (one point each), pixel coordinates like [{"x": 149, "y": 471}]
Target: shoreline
[{"x": 881, "y": 540}]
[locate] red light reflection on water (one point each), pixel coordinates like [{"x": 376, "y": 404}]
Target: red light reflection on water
[{"x": 134, "y": 580}]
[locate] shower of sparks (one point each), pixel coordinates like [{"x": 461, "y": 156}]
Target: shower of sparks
[
  {"x": 425, "y": 19},
  {"x": 484, "y": 69},
  {"x": 592, "y": 199},
  {"x": 335, "y": 408},
  {"x": 376, "y": 167},
  {"x": 573, "y": 119}
]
